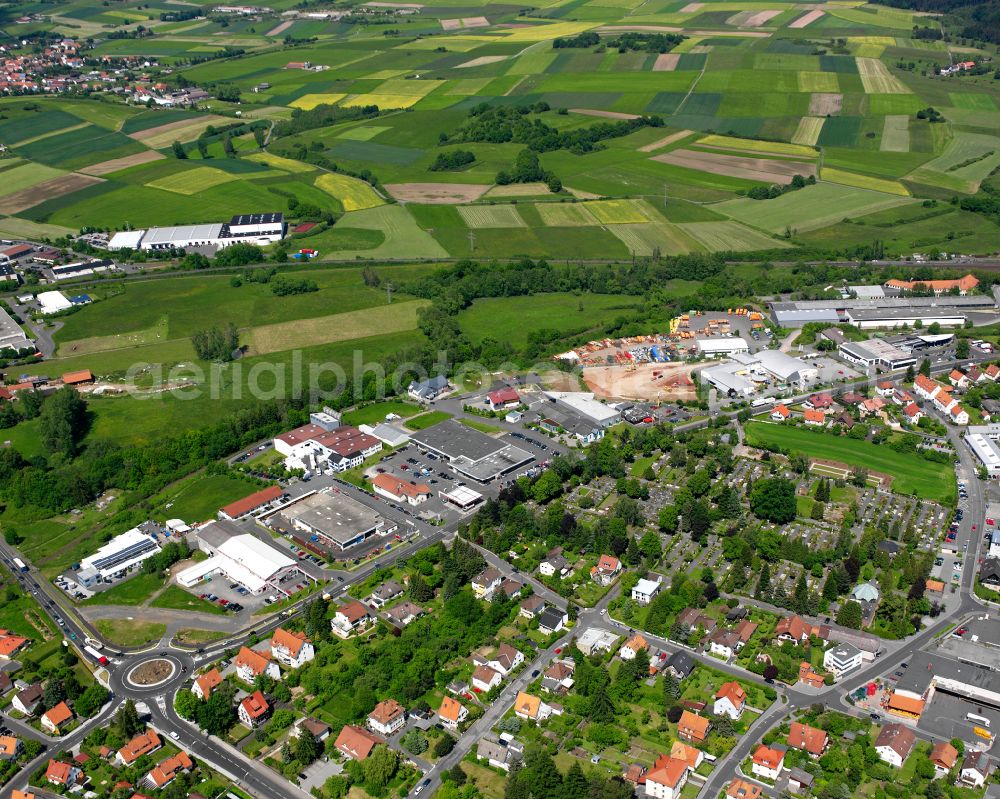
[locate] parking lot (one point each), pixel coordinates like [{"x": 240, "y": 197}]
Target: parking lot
[{"x": 947, "y": 716}]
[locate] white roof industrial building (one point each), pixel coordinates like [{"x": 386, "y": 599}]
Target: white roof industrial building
[
  {"x": 11, "y": 334},
  {"x": 982, "y": 440},
  {"x": 120, "y": 554},
  {"x": 244, "y": 559},
  {"x": 126, "y": 240},
  {"x": 714, "y": 347},
  {"x": 785, "y": 368},
  {"x": 52, "y": 302},
  {"x": 876, "y": 352},
  {"x": 586, "y": 404}
]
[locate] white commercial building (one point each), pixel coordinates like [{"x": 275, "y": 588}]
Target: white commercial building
[
  {"x": 585, "y": 404},
  {"x": 120, "y": 555},
  {"x": 786, "y": 369},
  {"x": 52, "y": 302},
  {"x": 717, "y": 347},
  {"x": 982, "y": 440},
  {"x": 244, "y": 559},
  {"x": 126, "y": 240},
  {"x": 264, "y": 228}
]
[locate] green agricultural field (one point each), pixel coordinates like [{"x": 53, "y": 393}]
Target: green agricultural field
[
  {"x": 912, "y": 475},
  {"x": 837, "y": 92},
  {"x": 809, "y": 208},
  {"x": 198, "y": 498},
  {"x": 377, "y": 411},
  {"x": 564, "y": 313}
]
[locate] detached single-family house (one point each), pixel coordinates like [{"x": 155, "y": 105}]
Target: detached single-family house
[
  {"x": 666, "y": 779},
  {"x": 644, "y": 590},
  {"x": 532, "y": 607},
  {"x": 768, "y": 762},
  {"x": 404, "y": 613},
  {"x": 205, "y": 683},
  {"x": 485, "y": 679},
  {"x": 62, "y": 774},
  {"x": 558, "y": 678},
  {"x": 885, "y": 388},
  {"x": 319, "y": 730},
  {"x": 741, "y": 789},
  {"x": 486, "y": 582},
  {"x": 912, "y": 413},
  {"x": 165, "y": 773},
  {"x": 503, "y": 398},
  {"x": 795, "y": 629},
  {"x": 356, "y": 743},
  {"x": 10, "y": 747},
  {"x": 351, "y": 617},
  {"x": 385, "y": 593},
  {"x": 250, "y": 664},
  {"x": 388, "y": 718},
  {"x": 680, "y": 665},
  {"x": 501, "y": 754},
  {"x": 690, "y": 755},
  {"x": 632, "y": 647},
  {"x": 399, "y": 490},
  {"x": 944, "y": 756},
  {"x": 809, "y": 739},
  {"x": 894, "y": 744},
  {"x": 814, "y": 417},
  {"x": 291, "y": 648},
  {"x": 506, "y": 659},
  {"x": 724, "y": 643},
  {"x": 527, "y": 706},
  {"x": 608, "y": 567},
  {"x": 975, "y": 770},
  {"x": 56, "y": 717},
  {"x": 452, "y": 713},
  {"x": 809, "y": 677},
  {"x": 253, "y": 710},
  {"x": 692, "y": 727},
  {"x": 554, "y": 566},
  {"x": 10, "y": 644},
  {"x": 780, "y": 413},
  {"x": 26, "y": 701},
  {"x": 730, "y": 700},
  {"x": 428, "y": 390},
  {"x": 552, "y": 620},
  {"x": 142, "y": 744}
]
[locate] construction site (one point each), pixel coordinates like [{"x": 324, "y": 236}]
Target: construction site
[{"x": 658, "y": 367}]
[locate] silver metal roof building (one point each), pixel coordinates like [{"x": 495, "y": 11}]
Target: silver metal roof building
[
  {"x": 985, "y": 448},
  {"x": 11, "y": 334},
  {"x": 337, "y": 518},
  {"x": 876, "y": 352},
  {"x": 164, "y": 238},
  {"x": 469, "y": 452}
]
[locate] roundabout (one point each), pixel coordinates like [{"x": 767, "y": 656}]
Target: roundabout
[{"x": 151, "y": 673}]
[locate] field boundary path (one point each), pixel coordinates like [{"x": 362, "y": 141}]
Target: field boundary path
[{"x": 691, "y": 88}]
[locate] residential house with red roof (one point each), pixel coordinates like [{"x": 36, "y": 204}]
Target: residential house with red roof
[
  {"x": 250, "y": 664},
  {"x": 503, "y": 398},
  {"x": 253, "y": 710},
  {"x": 399, "y": 490},
  {"x": 248, "y": 505},
  {"x": 205, "y": 683},
  {"x": 730, "y": 700},
  {"x": 291, "y": 648},
  {"x": 809, "y": 739},
  {"x": 165, "y": 773},
  {"x": 140, "y": 745},
  {"x": 780, "y": 413},
  {"x": 388, "y": 718},
  {"x": 62, "y": 774},
  {"x": 666, "y": 779},
  {"x": 55, "y": 717},
  {"x": 608, "y": 567},
  {"x": 356, "y": 743},
  {"x": 768, "y": 762},
  {"x": 692, "y": 727},
  {"x": 351, "y": 617}
]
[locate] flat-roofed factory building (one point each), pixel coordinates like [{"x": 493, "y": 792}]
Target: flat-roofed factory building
[{"x": 471, "y": 453}]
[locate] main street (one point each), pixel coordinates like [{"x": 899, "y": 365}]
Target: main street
[{"x": 265, "y": 783}]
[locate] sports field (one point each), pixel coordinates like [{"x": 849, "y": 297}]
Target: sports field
[{"x": 913, "y": 475}]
